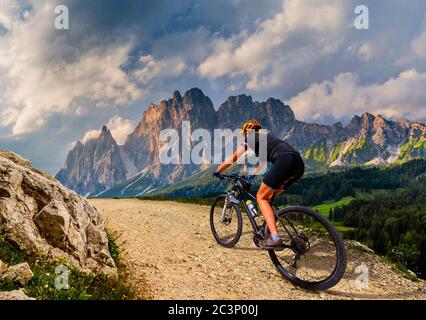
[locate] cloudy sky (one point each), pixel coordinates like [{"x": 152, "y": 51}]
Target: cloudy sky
[{"x": 59, "y": 86}]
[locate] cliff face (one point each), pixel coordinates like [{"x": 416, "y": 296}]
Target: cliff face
[
  {"x": 143, "y": 145},
  {"x": 101, "y": 164},
  {"x": 273, "y": 114}
]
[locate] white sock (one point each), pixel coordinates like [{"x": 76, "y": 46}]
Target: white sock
[{"x": 275, "y": 236}]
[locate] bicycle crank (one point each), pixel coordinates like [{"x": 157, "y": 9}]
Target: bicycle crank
[{"x": 259, "y": 236}]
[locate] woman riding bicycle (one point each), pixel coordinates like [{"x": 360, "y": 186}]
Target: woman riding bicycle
[{"x": 287, "y": 168}]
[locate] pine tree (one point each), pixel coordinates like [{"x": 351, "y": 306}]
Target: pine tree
[{"x": 330, "y": 215}]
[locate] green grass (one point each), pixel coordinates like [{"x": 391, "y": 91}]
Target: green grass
[
  {"x": 82, "y": 286},
  {"x": 114, "y": 250},
  {"x": 324, "y": 208},
  {"x": 413, "y": 148},
  {"x": 336, "y": 151},
  {"x": 400, "y": 268}
]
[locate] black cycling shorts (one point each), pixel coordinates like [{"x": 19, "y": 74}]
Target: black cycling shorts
[{"x": 286, "y": 170}]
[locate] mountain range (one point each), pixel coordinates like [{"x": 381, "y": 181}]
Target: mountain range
[{"x": 101, "y": 167}]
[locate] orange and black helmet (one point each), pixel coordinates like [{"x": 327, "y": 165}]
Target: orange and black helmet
[{"x": 251, "y": 124}]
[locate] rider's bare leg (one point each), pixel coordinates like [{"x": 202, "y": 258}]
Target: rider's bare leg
[
  {"x": 279, "y": 191},
  {"x": 264, "y": 197}
]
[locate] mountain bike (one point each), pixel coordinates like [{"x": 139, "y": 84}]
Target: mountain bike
[{"x": 314, "y": 255}]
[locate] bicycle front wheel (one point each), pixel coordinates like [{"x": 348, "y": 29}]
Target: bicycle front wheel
[
  {"x": 226, "y": 222},
  {"x": 314, "y": 256}
]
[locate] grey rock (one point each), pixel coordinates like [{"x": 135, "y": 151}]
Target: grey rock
[
  {"x": 42, "y": 216},
  {"x": 19, "y": 273},
  {"x": 360, "y": 247}
]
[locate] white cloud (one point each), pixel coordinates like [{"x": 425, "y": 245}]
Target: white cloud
[
  {"x": 302, "y": 31},
  {"x": 91, "y": 135},
  {"x": 419, "y": 45},
  {"x": 39, "y": 82},
  {"x": 365, "y": 51},
  {"x": 120, "y": 129},
  {"x": 345, "y": 96},
  {"x": 151, "y": 69},
  {"x": 10, "y": 12}
]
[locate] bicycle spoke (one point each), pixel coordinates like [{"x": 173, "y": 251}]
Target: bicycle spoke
[
  {"x": 225, "y": 221},
  {"x": 311, "y": 243}
]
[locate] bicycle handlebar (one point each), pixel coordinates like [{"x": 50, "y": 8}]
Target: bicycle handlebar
[{"x": 233, "y": 176}]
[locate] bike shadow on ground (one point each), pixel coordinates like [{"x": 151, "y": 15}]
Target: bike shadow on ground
[
  {"x": 247, "y": 248},
  {"x": 252, "y": 246}
]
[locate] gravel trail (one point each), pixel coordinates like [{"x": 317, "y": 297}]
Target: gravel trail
[{"x": 170, "y": 246}]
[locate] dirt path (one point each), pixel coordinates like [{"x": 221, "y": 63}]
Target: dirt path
[{"x": 171, "y": 246}]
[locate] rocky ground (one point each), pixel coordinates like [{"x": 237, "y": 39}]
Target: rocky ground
[{"x": 170, "y": 245}]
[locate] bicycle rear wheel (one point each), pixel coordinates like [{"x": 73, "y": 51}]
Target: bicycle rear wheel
[
  {"x": 226, "y": 222},
  {"x": 315, "y": 255}
]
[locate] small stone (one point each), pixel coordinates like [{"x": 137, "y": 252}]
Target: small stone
[
  {"x": 20, "y": 273},
  {"x": 3, "y": 268},
  {"x": 14, "y": 295}
]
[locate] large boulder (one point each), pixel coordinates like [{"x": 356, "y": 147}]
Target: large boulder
[{"x": 43, "y": 217}]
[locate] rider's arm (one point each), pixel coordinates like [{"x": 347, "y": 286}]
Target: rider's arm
[{"x": 232, "y": 159}]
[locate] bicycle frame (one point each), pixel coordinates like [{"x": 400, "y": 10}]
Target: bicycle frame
[
  {"x": 237, "y": 199},
  {"x": 237, "y": 195}
]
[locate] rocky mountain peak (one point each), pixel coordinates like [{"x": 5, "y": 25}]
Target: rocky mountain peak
[
  {"x": 195, "y": 95},
  {"x": 242, "y": 99},
  {"x": 380, "y": 122},
  {"x": 93, "y": 166},
  {"x": 280, "y": 108},
  {"x": 355, "y": 122},
  {"x": 78, "y": 145},
  {"x": 367, "y": 119},
  {"x": 101, "y": 163},
  {"x": 106, "y": 137},
  {"x": 404, "y": 122},
  {"x": 364, "y": 122},
  {"x": 177, "y": 97},
  {"x": 274, "y": 115}
]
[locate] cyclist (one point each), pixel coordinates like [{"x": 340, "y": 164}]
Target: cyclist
[{"x": 287, "y": 167}]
